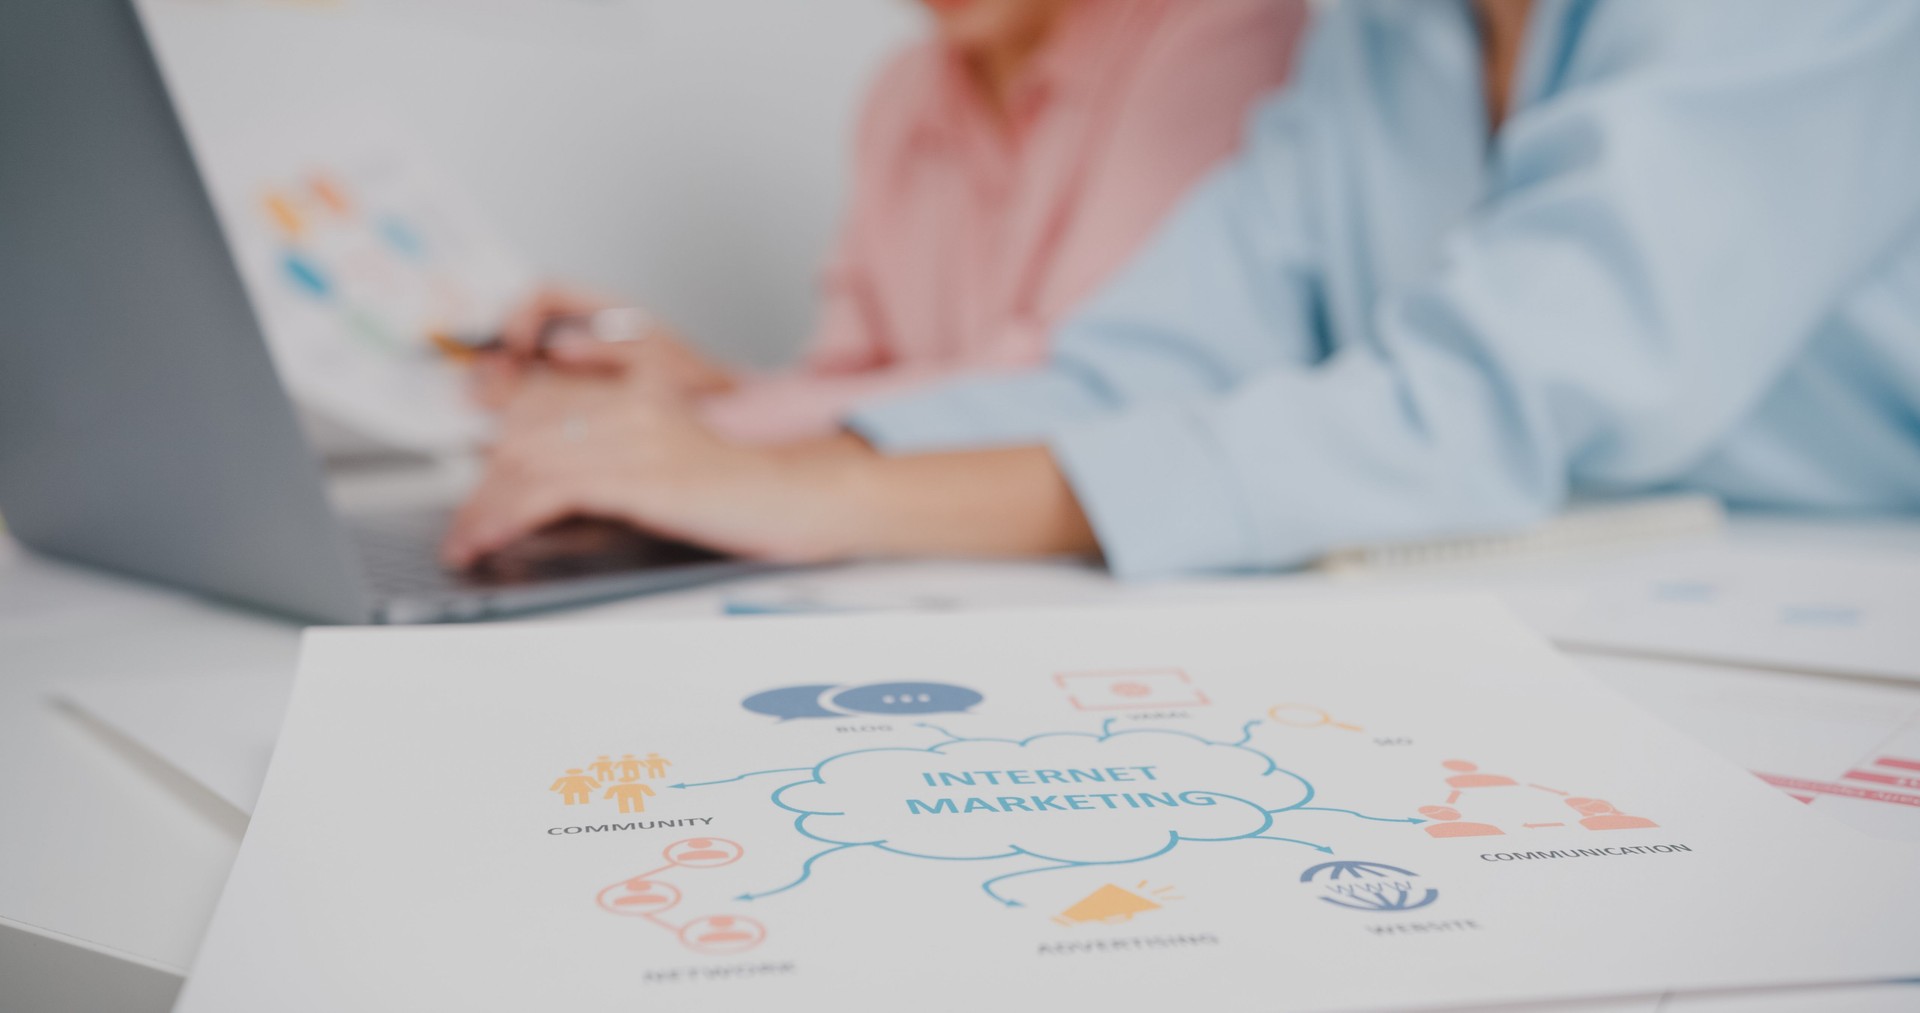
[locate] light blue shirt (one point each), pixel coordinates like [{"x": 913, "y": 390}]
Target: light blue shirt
[{"x": 1690, "y": 260}]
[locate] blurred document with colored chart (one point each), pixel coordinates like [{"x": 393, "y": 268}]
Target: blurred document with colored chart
[{"x": 358, "y": 250}]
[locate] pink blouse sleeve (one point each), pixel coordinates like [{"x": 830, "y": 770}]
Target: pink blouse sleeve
[
  {"x": 1182, "y": 113},
  {"x": 846, "y": 359},
  {"x": 849, "y": 334}
]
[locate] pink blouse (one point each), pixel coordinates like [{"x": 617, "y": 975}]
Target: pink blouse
[{"x": 966, "y": 241}]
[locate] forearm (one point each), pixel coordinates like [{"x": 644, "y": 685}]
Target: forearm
[
  {"x": 770, "y": 409},
  {"x": 1007, "y": 502}
]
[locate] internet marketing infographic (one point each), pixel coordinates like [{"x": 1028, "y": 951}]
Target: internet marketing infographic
[
  {"x": 1131, "y": 786},
  {"x": 958, "y": 811}
]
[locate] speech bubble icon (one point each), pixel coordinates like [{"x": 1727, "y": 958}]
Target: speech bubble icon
[
  {"x": 907, "y": 698},
  {"x": 791, "y": 702}
]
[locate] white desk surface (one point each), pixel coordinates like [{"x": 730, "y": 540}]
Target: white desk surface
[{"x": 121, "y": 859}]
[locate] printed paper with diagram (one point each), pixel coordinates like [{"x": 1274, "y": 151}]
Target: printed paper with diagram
[{"x": 1308, "y": 805}]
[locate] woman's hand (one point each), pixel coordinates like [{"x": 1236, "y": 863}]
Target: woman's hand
[
  {"x": 643, "y": 458},
  {"x": 578, "y": 447},
  {"x": 554, "y": 328},
  {"x": 659, "y": 360},
  {"x": 524, "y": 330}
]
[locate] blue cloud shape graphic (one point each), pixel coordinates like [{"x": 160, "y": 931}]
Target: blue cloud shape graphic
[{"x": 1194, "y": 789}]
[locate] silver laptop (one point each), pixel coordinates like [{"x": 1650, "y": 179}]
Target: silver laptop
[{"x": 142, "y": 426}]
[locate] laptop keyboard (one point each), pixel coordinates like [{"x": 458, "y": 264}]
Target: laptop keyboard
[{"x": 401, "y": 552}]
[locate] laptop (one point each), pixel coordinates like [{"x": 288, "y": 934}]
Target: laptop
[{"x": 142, "y": 426}]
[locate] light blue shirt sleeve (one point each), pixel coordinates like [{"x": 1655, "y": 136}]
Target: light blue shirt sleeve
[
  {"x": 1679, "y": 203},
  {"x": 1134, "y": 345}
]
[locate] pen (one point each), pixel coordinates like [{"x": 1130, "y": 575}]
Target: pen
[{"x": 614, "y": 325}]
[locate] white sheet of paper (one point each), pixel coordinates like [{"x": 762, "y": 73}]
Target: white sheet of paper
[
  {"x": 215, "y": 727},
  {"x": 1181, "y": 771},
  {"x": 1723, "y": 599},
  {"x": 1807, "y": 611},
  {"x": 1714, "y": 599}
]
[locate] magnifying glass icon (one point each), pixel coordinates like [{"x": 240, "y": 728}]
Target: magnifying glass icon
[{"x": 1299, "y": 715}]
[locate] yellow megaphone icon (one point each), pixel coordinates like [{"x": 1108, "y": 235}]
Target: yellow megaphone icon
[{"x": 1111, "y": 904}]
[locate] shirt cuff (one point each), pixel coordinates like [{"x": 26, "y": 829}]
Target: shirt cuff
[
  {"x": 995, "y": 411},
  {"x": 1159, "y": 492},
  {"x": 784, "y": 407}
]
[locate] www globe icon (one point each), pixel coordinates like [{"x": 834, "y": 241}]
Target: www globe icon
[{"x": 1370, "y": 886}]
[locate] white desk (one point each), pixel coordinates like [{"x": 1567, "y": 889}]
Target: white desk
[
  {"x": 109, "y": 868},
  {"x": 92, "y": 849}
]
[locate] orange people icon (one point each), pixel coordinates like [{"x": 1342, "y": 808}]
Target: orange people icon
[
  {"x": 1447, "y": 823},
  {"x": 703, "y": 852},
  {"x": 1601, "y": 815},
  {"x": 629, "y": 768},
  {"x": 632, "y": 796},
  {"x": 602, "y": 769},
  {"x": 1469, "y": 776},
  {"x": 575, "y": 787},
  {"x": 723, "y": 934},
  {"x": 656, "y": 766},
  {"x": 640, "y": 896}
]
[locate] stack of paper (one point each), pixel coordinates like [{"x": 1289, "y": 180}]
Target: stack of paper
[
  {"x": 1304, "y": 806},
  {"x": 1847, "y": 750}
]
